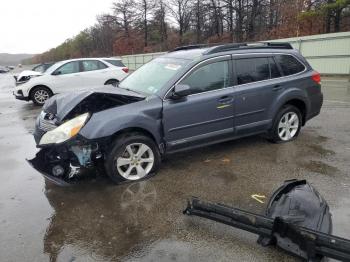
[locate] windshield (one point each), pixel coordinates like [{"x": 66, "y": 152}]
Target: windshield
[{"x": 151, "y": 77}]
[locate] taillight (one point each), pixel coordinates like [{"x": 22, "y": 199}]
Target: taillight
[
  {"x": 125, "y": 69},
  {"x": 316, "y": 77}
]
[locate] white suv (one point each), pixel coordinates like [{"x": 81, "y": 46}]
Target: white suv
[{"x": 71, "y": 75}]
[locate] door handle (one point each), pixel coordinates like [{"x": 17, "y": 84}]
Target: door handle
[
  {"x": 225, "y": 99},
  {"x": 276, "y": 87}
]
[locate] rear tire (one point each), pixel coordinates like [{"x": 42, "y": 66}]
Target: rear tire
[
  {"x": 133, "y": 157},
  {"x": 40, "y": 94},
  {"x": 287, "y": 125}
]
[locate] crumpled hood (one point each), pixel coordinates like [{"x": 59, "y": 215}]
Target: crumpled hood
[
  {"x": 29, "y": 73},
  {"x": 62, "y": 104}
]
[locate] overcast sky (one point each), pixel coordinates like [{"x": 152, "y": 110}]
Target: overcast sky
[{"x": 34, "y": 26}]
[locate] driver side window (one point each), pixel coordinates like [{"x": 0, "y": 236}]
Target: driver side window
[
  {"x": 208, "y": 77},
  {"x": 69, "y": 68}
]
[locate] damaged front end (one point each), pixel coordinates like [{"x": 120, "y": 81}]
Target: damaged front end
[
  {"x": 65, "y": 155},
  {"x": 65, "y": 163}
]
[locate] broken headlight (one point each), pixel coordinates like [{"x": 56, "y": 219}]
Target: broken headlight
[{"x": 64, "y": 131}]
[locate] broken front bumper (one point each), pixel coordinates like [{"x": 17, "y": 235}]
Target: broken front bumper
[{"x": 65, "y": 163}]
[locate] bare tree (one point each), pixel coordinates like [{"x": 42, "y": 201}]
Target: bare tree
[
  {"x": 228, "y": 5},
  {"x": 124, "y": 13},
  {"x": 181, "y": 12},
  {"x": 159, "y": 19},
  {"x": 145, "y": 8}
]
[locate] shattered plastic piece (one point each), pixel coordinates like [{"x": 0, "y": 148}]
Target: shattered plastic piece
[
  {"x": 297, "y": 220},
  {"x": 258, "y": 198},
  {"x": 74, "y": 170}
]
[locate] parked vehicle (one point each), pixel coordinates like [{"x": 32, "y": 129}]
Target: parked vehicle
[
  {"x": 42, "y": 67},
  {"x": 188, "y": 98},
  {"x": 67, "y": 76},
  {"x": 37, "y": 70},
  {"x": 3, "y": 70}
]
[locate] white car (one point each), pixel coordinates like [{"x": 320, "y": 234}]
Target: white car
[
  {"x": 71, "y": 75},
  {"x": 36, "y": 71}
]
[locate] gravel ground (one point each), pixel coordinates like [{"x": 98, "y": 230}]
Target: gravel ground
[{"x": 98, "y": 221}]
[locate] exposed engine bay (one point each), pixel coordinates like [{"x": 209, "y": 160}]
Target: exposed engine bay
[{"x": 97, "y": 102}]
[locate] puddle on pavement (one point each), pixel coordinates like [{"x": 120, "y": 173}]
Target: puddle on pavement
[{"x": 319, "y": 167}]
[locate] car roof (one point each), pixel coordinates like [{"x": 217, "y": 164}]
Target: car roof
[
  {"x": 90, "y": 58},
  {"x": 192, "y": 52}
]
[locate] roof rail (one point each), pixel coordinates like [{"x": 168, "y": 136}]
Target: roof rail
[
  {"x": 257, "y": 45},
  {"x": 187, "y": 47}
]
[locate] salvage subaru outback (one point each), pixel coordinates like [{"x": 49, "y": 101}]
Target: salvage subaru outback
[{"x": 192, "y": 96}]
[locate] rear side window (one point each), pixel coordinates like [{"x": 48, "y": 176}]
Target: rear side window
[
  {"x": 273, "y": 68},
  {"x": 115, "y": 62},
  {"x": 91, "y": 65},
  {"x": 252, "y": 69},
  {"x": 209, "y": 77},
  {"x": 289, "y": 64}
]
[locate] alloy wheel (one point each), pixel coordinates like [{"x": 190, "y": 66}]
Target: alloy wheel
[
  {"x": 41, "y": 96},
  {"x": 136, "y": 161},
  {"x": 288, "y": 126}
]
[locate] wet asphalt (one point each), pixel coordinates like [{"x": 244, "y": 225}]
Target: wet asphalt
[{"x": 98, "y": 221}]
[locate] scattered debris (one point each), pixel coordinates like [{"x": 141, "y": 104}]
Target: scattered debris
[
  {"x": 258, "y": 198},
  {"x": 297, "y": 220}
]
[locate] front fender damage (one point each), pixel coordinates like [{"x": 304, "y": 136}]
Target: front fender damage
[{"x": 66, "y": 163}]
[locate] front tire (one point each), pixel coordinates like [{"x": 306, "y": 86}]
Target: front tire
[
  {"x": 133, "y": 157},
  {"x": 40, "y": 94},
  {"x": 287, "y": 124}
]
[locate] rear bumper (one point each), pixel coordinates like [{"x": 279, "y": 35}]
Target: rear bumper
[{"x": 316, "y": 102}]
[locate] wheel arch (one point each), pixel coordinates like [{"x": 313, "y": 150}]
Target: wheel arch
[
  {"x": 39, "y": 85},
  {"x": 295, "y": 97},
  {"x": 111, "y": 79},
  {"x": 139, "y": 130},
  {"x": 136, "y": 130},
  {"x": 301, "y": 105}
]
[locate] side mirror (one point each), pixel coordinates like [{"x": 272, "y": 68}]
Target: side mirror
[
  {"x": 181, "y": 91},
  {"x": 57, "y": 73}
]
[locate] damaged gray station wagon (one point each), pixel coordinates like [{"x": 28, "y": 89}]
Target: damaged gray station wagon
[{"x": 190, "y": 97}]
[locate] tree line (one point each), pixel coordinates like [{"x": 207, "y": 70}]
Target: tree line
[{"x": 138, "y": 26}]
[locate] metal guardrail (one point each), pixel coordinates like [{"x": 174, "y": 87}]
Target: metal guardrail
[{"x": 327, "y": 53}]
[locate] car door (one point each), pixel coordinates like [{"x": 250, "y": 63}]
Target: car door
[
  {"x": 206, "y": 115},
  {"x": 94, "y": 73},
  {"x": 256, "y": 88},
  {"x": 66, "y": 78}
]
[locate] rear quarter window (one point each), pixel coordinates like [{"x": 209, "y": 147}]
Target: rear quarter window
[
  {"x": 289, "y": 64},
  {"x": 115, "y": 62}
]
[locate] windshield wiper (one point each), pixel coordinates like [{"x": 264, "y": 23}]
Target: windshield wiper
[{"x": 132, "y": 90}]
